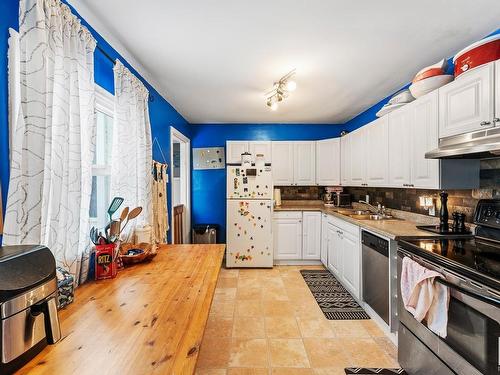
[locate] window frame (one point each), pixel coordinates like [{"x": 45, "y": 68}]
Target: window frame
[{"x": 104, "y": 103}]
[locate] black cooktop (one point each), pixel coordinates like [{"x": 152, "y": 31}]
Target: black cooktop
[{"x": 478, "y": 258}]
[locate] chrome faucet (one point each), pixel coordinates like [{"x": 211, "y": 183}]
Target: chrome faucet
[{"x": 379, "y": 210}]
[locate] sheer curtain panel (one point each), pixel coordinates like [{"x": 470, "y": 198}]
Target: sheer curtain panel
[
  {"x": 53, "y": 142},
  {"x": 131, "y": 164}
]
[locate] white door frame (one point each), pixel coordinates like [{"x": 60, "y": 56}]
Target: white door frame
[{"x": 176, "y": 135}]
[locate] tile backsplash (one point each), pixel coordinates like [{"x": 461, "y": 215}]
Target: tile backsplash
[
  {"x": 295, "y": 193},
  {"x": 408, "y": 199}
]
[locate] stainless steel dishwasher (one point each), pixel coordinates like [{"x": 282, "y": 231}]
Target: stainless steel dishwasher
[{"x": 375, "y": 252}]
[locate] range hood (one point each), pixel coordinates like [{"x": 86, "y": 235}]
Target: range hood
[{"x": 480, "y": 144}]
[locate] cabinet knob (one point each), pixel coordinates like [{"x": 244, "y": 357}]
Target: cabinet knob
[
  {"x": 485, "y": 123},
  {"x": 496, "y": 119}
]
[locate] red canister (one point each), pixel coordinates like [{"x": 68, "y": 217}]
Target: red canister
[
  {"x": 105, "y": 262},
  {"x": 479, "y": 53}
]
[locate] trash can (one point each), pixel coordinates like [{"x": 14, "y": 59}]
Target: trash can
[{"x": 205, "y": 233}]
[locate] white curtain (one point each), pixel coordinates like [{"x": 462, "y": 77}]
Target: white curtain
[
  {"x": 131, "y": 165},
  {"x": 53, "y": 141}
]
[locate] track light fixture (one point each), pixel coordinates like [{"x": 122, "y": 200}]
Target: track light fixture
[{"x": 280, "y": 90}]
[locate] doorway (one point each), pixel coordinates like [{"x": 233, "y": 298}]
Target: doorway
[{"x": 180, "y": 162}]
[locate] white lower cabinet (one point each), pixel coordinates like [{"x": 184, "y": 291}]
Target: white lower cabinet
[
  {"x": 351, "y": 261},
  {"x": 344, "y": 254},
  {"x": 297, "y": 235},
  {"x": 311, "y": 235},
  {"x": 287, "y": 235},
  {"x": 334, "y": 250},
  {"x": 324, "y": 240}
]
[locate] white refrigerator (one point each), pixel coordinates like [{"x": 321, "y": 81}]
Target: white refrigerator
[{"x": 249, "y": 240}]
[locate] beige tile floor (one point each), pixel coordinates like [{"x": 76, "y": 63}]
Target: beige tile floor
[{"x": 267, "y": 322}]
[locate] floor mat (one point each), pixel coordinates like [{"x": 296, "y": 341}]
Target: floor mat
[
  {"x": 368, "y": 371},
  {"x": 333, "y": 299}
]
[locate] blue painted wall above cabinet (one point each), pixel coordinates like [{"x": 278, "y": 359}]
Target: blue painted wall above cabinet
[
  {"x": 162, "y": 115},
  {"x": 209, "y": 186}
]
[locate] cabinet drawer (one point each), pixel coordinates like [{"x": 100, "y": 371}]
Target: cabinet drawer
[
  {"x": 287, "y": 215},
  {"x": 345, "y": 226}
]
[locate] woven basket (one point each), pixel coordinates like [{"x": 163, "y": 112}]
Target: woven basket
[{"x": 150, "y": 252}]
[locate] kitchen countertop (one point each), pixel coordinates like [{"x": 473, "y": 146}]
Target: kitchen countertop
[
  {"x": 150, "y": 319},
  {"x": 392, "y": 228}
]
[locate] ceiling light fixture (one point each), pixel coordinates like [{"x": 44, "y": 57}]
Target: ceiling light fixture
[{"x": 280, "y": 90}]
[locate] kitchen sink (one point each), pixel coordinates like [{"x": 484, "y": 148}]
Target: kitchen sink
[{"x": 372, "y": 217}]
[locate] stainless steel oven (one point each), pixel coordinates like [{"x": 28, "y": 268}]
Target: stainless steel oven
[{"x": 472, "y": 343}]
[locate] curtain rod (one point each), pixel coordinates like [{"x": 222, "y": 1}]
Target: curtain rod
[{"x": 150, "y": 96}]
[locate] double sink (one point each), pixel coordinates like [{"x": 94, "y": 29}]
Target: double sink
[{"x": 364, "y": 215}]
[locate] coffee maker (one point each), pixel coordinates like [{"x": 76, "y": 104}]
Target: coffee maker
[{"x": 28, "y": 304}]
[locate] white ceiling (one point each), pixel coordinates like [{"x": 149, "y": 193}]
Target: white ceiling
[{"x": 214, "y": 60}]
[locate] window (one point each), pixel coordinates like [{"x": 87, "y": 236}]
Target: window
[{"x": 101, "y": 168}]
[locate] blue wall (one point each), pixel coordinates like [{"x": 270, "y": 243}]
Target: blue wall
[
  {"x": 209, "y": 186},
  {"x": 162, "y": 114}
]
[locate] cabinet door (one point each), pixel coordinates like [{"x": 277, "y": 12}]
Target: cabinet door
[
  {"x": 334, "y": 250},
  {"x": 282, "y": 163},
  {"x": 311, "y": 235},
  {"x": 324, "y": 240},
  {"x": 234, "y": 149},
  {"x": 399, "y": 147},
  {"x": 357, "y": 157},
  {"x": 377, "y": 152},
  {"x": 304, "y": 163},
  {"x": 287, "y": 236},
  {"x": 260, "y": 147},
  {"x": 328, "y": 162},
  {"x": 424, "y": 137},
  {"x": 345, "y": 159},
  {"x": 466, "y": 104},
  {"x": 497, "y": 93},
  {"x": 351, "y": 261}
]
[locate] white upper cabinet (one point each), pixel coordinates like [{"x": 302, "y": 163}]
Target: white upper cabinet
[
  {"x": 304, "y": 163},
  {"x": 328, "y": 162},
  {"x": 377, "y": 152},
  {"x": 425, "y": 173},
  {"x": 311, "y": 238},
  {"x": 357, "y": 157},
  {"x": 282, "y": 165},
  {"x": 344, "y": 160},
  {"x": 260, "y": 147},
  {"x": 234, "y": 149},
  {"x": 294, "y": 163},
  {"x": 466, "y": 104},
  {"x": 399, "y": 145}
]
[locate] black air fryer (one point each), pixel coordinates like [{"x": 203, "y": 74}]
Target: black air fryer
[{"x": 28, "y": 304}]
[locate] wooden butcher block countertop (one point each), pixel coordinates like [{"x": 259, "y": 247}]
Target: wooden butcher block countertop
[{"x": 149, "y": 320}]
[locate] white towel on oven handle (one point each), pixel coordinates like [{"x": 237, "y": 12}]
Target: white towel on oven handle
[{"x": 423, "y": 297}]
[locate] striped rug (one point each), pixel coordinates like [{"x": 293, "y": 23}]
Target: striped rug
[
  {"x": 333, "y": 299},
  {"x": 370, "y": 371}
]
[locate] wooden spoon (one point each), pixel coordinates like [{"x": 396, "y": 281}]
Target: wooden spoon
[
  {"x": 132, "y": 215},
  {"x": 124, "y": 214}
]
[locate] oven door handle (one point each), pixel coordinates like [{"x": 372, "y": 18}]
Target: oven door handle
[{"x": 481, "y": 297}]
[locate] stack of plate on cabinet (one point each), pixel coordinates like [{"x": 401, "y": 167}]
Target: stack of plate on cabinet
[
  {"x": 430, "y": 78},
  {"x": 397, "y": 101}
]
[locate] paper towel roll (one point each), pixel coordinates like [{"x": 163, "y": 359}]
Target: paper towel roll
[{"x": 277, "y": 197}]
